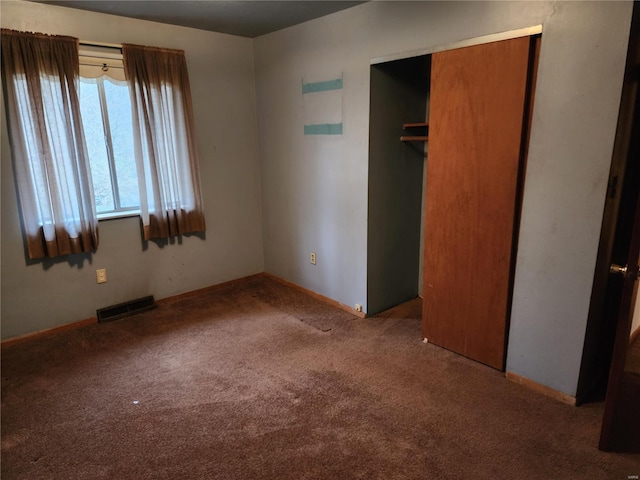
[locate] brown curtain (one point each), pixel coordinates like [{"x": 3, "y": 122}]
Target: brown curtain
[
  {"x": 40, "y": 75},
  {"x": 165, "y": 147}
]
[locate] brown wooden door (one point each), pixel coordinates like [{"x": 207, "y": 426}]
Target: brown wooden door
[
  {"x": 477, "y": 109},
  {"x": 621, "y": 420}
]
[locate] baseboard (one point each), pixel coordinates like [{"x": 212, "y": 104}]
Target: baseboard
[
  {"x": 49, "y": 331},
  {"x": 174, "y": 298},
  {"x": 93, "y": 320},
  {"x": 543, "y": 389},
  {"x": 316, "y": 295}
]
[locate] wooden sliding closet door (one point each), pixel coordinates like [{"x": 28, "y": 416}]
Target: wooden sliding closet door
[{"x": 477, "y": 110}]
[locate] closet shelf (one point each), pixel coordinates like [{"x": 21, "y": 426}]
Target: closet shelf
[{"x": 414, "y": 138}]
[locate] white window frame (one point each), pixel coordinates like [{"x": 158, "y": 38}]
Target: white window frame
[{"x": 94, "y": 60}]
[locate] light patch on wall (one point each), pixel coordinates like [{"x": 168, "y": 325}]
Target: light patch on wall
[{"x": 322, "y": 105}]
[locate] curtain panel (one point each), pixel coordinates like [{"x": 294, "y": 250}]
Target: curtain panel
[
  {"x": 164, "y": 141},
  {"x": 40, "y": 77}
]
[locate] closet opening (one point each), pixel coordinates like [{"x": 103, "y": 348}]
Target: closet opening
[{"x": 399, "y": 106}]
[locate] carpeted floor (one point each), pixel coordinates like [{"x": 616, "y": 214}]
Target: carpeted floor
[{"x": 259, "y": 381}]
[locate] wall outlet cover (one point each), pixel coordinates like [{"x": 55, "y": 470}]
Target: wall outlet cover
[{"x": 101, "y": 275}]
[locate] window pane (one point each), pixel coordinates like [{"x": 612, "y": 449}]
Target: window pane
[
  {"x": 119, "y": 108},
  {"x": 94, "y": 134}
]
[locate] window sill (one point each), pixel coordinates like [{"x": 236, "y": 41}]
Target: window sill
[{"x": 115, "y": 215}]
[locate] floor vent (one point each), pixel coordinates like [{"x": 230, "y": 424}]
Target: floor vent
[{"x": 125, "y": 309}]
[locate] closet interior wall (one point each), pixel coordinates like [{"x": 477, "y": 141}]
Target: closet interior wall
[{"x": 399, "y": 95}]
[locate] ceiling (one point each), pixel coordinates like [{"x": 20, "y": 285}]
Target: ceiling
[{"x": 247, "y": 18}]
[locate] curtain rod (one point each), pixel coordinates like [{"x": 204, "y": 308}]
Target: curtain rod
[
  {"x": 104, "y": 65},
  {"x": 116, "y": 46}
]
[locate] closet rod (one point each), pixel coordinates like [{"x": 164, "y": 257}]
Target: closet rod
[{"x": 101, "y": 65}]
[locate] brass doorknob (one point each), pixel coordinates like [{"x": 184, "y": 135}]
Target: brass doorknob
[
  {"x": 633, "y": 272},
  {"x": 618, "y": 269}
]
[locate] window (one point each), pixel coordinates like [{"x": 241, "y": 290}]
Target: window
[
  {"x": 141, "y": 125},
  {"x": 105, "y": 106},
  {"x": 106, "y": 117},
  {"x": 70, "y": 169}
]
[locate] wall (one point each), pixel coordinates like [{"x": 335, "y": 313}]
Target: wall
[
  {"x": 314, "y": 190},
  {"x": 42, "y": 295}
]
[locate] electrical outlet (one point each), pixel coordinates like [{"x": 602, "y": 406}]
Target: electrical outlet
[
  {"x": 312, "y": 258},
  {"x": 358, "y": 307},
  {"x": 101, "y": 275}
]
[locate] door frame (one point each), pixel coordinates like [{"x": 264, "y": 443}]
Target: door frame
[{"x": 469, "y": 42}]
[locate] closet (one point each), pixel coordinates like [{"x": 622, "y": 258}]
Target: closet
[
  {"x": 477, "y": 104},
  {"x": 399, "y": 95}
]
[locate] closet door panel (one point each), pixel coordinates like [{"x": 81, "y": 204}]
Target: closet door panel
[{"x": 478, "y": 97}]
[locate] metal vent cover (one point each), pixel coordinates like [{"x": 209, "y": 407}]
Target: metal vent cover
[{"x": 125, "y": 309}]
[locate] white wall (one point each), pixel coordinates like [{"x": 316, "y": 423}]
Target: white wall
[
  {"x": 47, "y": 294},
  {"x": 314, "y": 189}
]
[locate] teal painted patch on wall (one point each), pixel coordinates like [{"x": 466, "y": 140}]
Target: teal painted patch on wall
[
  {"x": 324, "y": 86},
  {"x": 323, "y": 129}
]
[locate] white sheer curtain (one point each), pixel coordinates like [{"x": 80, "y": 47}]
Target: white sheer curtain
[
  {"x": 165, "y": 148},
  {"x": 40, "y": 74}
]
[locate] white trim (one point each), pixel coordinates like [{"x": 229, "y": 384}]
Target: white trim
[
  {"x": 114, "y": 215},
  {"x": 494, "y": 37}
]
